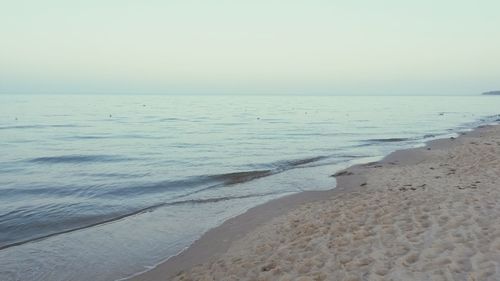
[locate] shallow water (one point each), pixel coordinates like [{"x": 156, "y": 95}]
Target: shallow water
[{"x": 119, "y": 183}]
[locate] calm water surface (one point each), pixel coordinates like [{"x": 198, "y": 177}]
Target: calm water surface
[{"x": 102, "y": 187}]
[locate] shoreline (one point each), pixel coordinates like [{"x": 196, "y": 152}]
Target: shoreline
[
  {"x": 350, "y": 180},
  {"x": 210, "y": 244}
]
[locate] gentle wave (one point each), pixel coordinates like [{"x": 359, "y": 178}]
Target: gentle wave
[
  {"x": 162, "y": 186},
  {"x": 87, "y": 137},
  {"x": 240, "y": 177},
  {"x": 136, "y": 212},
  {"x": 389, "y": 140},
  {"x": 38, "y": 126},
  {"x": 207, "y": 182},
  {"x": 197, "y": 184},
  {"x": 77, "y": 159},
  {"x": 298, "y": 162}
]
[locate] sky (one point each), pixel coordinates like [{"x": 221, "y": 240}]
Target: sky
[{"x": 250, "y": 47}]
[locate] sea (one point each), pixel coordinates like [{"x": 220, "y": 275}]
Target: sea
[{"x": 102, "y": 187}]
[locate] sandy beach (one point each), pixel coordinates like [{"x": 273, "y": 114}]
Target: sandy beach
[{"x": 430, "y": 213}]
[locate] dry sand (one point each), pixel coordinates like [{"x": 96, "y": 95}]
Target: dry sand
[{"x": 429, "y": 213}]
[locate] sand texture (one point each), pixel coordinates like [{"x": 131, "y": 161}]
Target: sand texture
[{"x": 430, "y": 213}]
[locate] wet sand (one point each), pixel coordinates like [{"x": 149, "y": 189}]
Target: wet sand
[{"x": 430, "y": 213}]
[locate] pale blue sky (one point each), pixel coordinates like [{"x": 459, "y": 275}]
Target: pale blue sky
[{"x": 249, "y": 47}]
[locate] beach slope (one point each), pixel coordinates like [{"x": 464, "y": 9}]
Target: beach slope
[{"x": 430, "y": 213}]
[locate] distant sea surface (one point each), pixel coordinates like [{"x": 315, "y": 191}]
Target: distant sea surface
[{"x": 101, "y": 187}]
